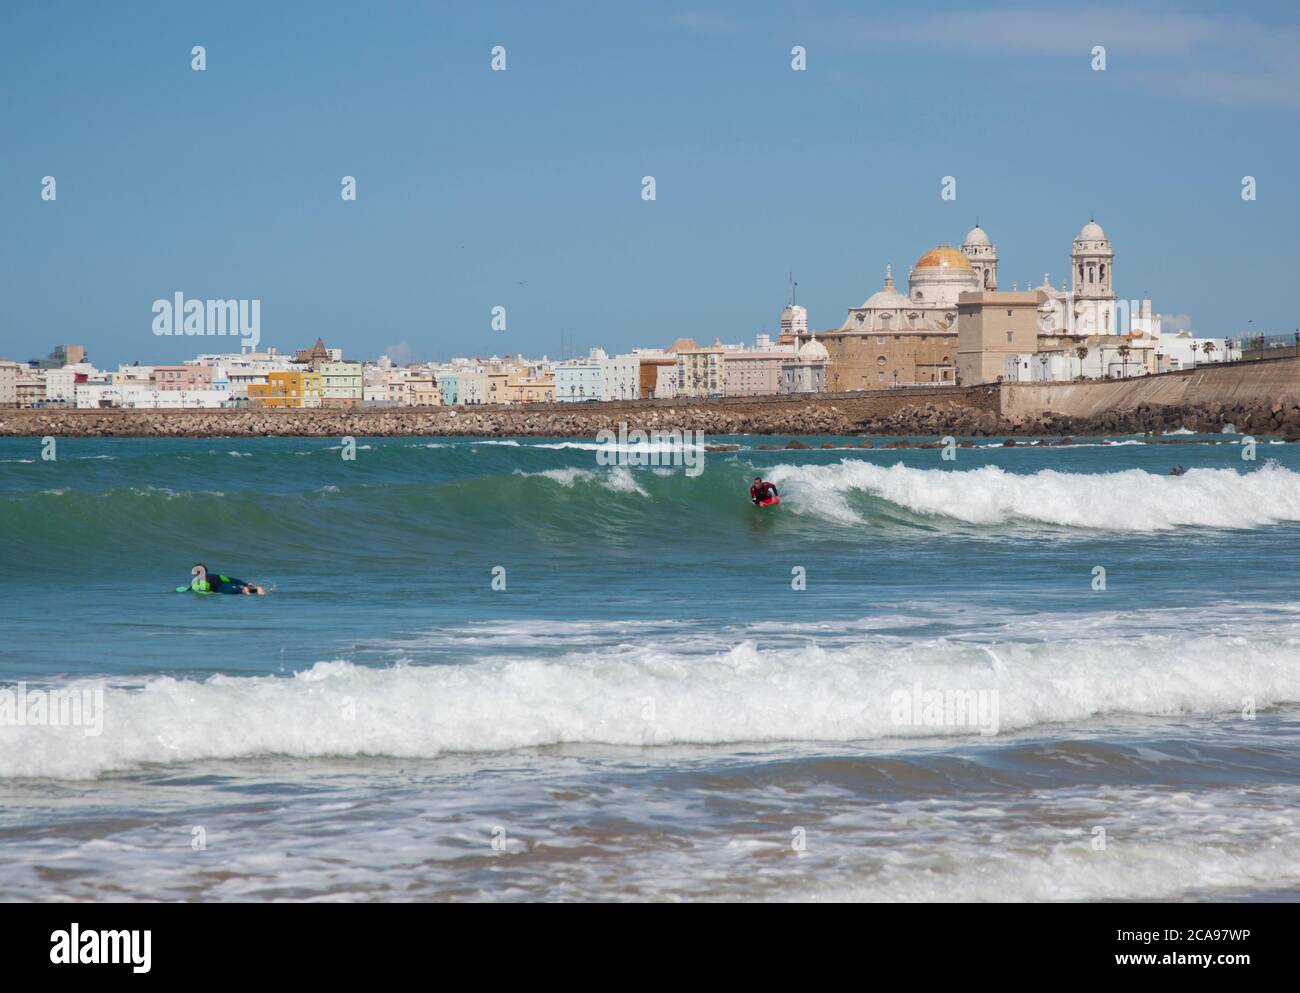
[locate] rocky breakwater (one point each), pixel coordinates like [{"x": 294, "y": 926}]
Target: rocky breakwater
[{"x": 824, "y": 414}]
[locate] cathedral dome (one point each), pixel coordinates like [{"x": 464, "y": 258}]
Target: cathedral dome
[
  {"x": 1091, "y": 232},
  {"x": 943, "y": 257},
  {"x": 814, "y": 351},
  {"x": 886, "y": 299},
  {"x": 976, "y": 237}
]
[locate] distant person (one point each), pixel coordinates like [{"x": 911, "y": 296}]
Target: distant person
[
  {"x": 762, "y": 490},
  {"x": 1178, "y": 470},
  {"x": 208, "y": 582}
]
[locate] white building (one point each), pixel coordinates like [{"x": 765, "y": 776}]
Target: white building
[
  {"x": 99, "y": 394},
  {"x": 61, "y": 384},
  {"x": 144, "y": 398},
  {"x": 1185, "y": 351},
  {"x": 8, "y": 384},
  {"x": 473, "y": 386},
  {"x": 581, "y": 379},
  {"x": 805, "y": 371},
  {"x": 620, "y": 377}
]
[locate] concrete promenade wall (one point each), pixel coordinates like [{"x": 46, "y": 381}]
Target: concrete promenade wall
[{"x": 1243, "y": 384}]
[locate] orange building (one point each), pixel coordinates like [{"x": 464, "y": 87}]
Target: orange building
[{"x": 287, "y": 389}]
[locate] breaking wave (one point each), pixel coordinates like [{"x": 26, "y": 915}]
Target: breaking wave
[
  {"x": 650, "y": 696},
  {"x": 1131, "y": 500}
]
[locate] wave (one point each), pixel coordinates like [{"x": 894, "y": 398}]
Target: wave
[
  {"x": 391, "y": 504},
  {"x": 619, "y": 479},
  {"x": 646, "y": 696},
  {"x": 1133, "y": 500}
]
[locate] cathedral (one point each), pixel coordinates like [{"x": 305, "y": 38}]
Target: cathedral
[{"x": 942, "y": 274}]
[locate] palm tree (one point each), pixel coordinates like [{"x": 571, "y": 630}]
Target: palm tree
[
  {"x": 1208, "y": 348},
  {"x": 1082, "y": 352},
  {"x": 1123, "y": 354}
]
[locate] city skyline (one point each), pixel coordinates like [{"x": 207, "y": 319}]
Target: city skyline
[{"x": 523, "y": 189}]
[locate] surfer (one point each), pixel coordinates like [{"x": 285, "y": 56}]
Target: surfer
[
  {"x": 207, "y": 582},
  {"x": 762, "y": 490},
  {"x": 1178, "y": 470}
]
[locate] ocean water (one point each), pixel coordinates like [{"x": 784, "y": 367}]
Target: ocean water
[{"x": 1031, "y": 673}]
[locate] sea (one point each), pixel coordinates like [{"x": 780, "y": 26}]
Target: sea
[{"x": 536, "y": 669}]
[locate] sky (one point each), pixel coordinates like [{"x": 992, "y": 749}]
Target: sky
[{"x": 523, "y": 188}]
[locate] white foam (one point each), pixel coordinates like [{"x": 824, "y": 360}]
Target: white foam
[
  {"x": 644, "y": 448},
  {"x": 1160, "y": 845},
  {"x": 1132, "y": 500},
  {"x": 616, "y": 478},
  {"x": 638, "y": 693}
]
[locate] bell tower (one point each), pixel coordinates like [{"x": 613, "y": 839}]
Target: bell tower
[
  {"x": 1092, "y": 281},
  {"x": 983, "y": 256}
]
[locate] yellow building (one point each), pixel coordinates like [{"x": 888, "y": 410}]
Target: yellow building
[
  {"x": 699, "y": 370},
  {"x": 422, "y": 391},
  {"x": 522, "y": 388},
  {"x": 287, "y": 389}
]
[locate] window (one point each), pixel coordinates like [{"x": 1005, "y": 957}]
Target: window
[
  {"x": 880, "y": 360},
  {"x": 880, "y": 339},
  {"x": 1009, "y": 334}
]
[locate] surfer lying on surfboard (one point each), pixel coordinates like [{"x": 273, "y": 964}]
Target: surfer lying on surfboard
[
  {"x": 206, "y": 582},
  {"x": 763, "y": 493}
]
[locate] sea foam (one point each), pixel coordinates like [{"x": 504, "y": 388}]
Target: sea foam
[
  {"x": 644, "y": 695},
  {"x": 1132, "y": 500}
]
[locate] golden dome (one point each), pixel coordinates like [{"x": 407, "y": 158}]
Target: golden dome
[{"x": 943, "y": 257}]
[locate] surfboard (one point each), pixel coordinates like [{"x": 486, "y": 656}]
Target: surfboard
[{"x": 770, "y": 501}]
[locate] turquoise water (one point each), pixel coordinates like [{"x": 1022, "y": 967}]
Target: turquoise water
[{"x": 650, "y": 708}]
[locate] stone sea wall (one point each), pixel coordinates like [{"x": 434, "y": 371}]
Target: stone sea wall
[{"x": 829, "y": 413}]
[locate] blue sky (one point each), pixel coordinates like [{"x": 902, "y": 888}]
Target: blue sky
[{"x": 523, "y": 188}]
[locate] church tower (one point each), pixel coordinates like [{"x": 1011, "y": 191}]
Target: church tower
[
  {"x": 1092, "y": 272},
  {"x": 983, "y": 257}
]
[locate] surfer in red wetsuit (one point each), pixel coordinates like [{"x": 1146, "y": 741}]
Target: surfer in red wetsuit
[{"x": 762, "y": 490}]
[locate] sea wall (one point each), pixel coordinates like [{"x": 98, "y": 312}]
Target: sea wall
[
  {"x": 1238, "y": 384},
  {"x": 826, "y": 413}
]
